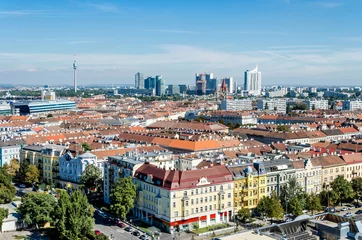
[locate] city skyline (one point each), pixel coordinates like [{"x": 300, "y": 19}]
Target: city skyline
[{"x": 292, "y": 41}]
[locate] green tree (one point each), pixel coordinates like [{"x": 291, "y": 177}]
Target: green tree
[
  {"x": 86, "y": 146},
  {"x": 342, "y": 189},
  {"x": 123, "y": 194},
  {"x": 74, "y": 216},
  {"x": 24, "y": 167},
  {"x": 294, "y": 207},
  {"x": 91, "y": 178},
  {"x": 49, "y": 115},
  {"x": 313, "y": 203},
  {"x": 13, "y": 167},
  {"x": 38, "y": 208},
  {"x": 301, "y": 106},
  {"x": 266, "y": 106},
  {"x": 32, "y": 175},
  {"x": 263, "y": 206},
  {"x": 275, "y": 108},
  {"x": 288, "y": 109},
  {"x": 275, "y": 209},
  {"x": 357, "y": 187},
  {"x": 4, "y": 213},
  {"x": 244, "y": 215},
  {"x": 283, "y": 128},
  {"x": 313, "y": 107},
  {"x": 7, "y": 190},
  {"x": 289, "y": 191}
]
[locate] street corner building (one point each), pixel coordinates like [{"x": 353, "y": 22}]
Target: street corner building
[{"x": 178, "y": 200}]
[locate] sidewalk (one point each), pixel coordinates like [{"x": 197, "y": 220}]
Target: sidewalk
[{"x": 26, "y": 234}]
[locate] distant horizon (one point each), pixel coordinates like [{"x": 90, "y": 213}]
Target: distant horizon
[{"x": 292, "y": 41}]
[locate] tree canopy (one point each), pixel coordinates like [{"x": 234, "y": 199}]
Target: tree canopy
[
  {"x": 270, "y": 206},
  {"x": 4, "y": 213},
  {"x": 74, "y": 216},
  {"x": 244, "y": 215},
  {"x": 7, "y": 190},
  {"x": 37, "y": 208},
  {"x": 313, "y": 203},
  {"x": 283, "y": 128},
  {"x": 342, "y": 189},
  {"x": 32, "y": 174},
  {"x": 294, "y": 207},
  {"x": 123, "y": 194},
  {"x": 13, "y": 167},
  {"x": 357, "y": 187},
  {"x": 86, "y": 146},
  {"x": 291, "y": 190},
  {"x": 91, "y": 178}
]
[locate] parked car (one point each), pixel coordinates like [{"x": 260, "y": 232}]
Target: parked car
[
  {"x": 136, "y": 233},
  {"x": 330, "y": 209},
  {"x": 344, "y": 209},
  {"x": 128, "y": 229},
  {"x": 349, "y": 214},
  {"x": 121, "y": 224},
  {"x": 22, "y": 186},
  {"x": 97, "y": 232},
  {"x": 359, "y": 212},
  {"x": 144, "y": 237}
]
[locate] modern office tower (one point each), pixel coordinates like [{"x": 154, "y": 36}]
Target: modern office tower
[
  {"x": 150, "y": 83},
  {"x": 204, "y": 76},
  {"x": 160, "y": 86},
  {"x": 139, "y": 81},
  {"x": 201, "y": 87},
  {"x": 214, "y": 82},
  {"x": 230, "y": 84},
  {"x": 183, "y": 88},
  {"x": 252, "y": 81},
  {"x": 173, "y": 89}
]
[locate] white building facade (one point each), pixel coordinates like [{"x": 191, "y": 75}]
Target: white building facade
[
  {"x": 236, "y": 104},
  {"x": 252, "y": 81}
]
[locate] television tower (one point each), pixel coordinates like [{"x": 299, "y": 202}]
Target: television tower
[{"x": 75, "y": 79}]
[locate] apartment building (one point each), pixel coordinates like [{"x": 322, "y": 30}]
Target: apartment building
[
  {"x": 71, "y": 168},
  {"x": 353, "y": 165},
  {"x": 332, "y": 167},
  {"x": 278, "y": 174},
  {"x": 249, "y": 185},
  {"x": 317, "y": 104},
  {"x": 278, "y": 105},
  {"x": 10, "y": 150},
  {"x": 308, "y": 174},
  {"x": 50, "y": 155},
  {"x": 236, "y": 104},
  {"x": 125, "y": 166},
  {"x": 172, "y": 199}
]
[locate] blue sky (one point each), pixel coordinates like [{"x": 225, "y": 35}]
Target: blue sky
[{"x": 293, "y": 41}]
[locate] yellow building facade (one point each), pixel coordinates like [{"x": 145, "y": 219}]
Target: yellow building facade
[{"x": 249, "y": 185}]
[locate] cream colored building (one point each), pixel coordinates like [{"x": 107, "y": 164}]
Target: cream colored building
[
  {"x": 332, "y": 166},
  {"x": 172, "y": 199},
  {"x": 308, "y": 174}
]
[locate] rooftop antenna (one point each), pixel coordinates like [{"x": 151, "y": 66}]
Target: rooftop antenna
[{"x": 75, "y": 79}]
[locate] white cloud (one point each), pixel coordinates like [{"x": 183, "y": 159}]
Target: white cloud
[
  {"x": 177, "y": 63},
  {"x": 170, "y": 31},
  {"x": 20, "y": 12},
  {"x": 104, "y": 7}
]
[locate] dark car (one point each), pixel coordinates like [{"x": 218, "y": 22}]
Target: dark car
[
  {"x": 128, "y": 229},
  {"x": 136, "y": 233},
  {"x": 359, "y": 212}
]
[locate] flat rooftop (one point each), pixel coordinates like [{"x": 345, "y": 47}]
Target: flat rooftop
[{"x": 246, "y": 236}]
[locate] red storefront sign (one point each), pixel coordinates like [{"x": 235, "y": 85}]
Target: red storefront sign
[
  {"x": 181, "y": 222},
  {"x": 212, "y": 216}
]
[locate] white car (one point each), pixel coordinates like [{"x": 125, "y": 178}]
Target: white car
[{"x": 349, "y": 214}]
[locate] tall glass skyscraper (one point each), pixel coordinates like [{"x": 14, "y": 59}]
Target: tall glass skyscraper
[
  {"x": 160, "y": 86},
  {"x": 139, "y": 82},
  {"x": 252, "y": 81}
]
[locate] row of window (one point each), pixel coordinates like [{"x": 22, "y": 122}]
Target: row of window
[
  {"x": 202, "y": 209},
  {"x": 202, "y": 200},
  {"x": 203, "y": 190},
  {"x": 274, "y": 179}
]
